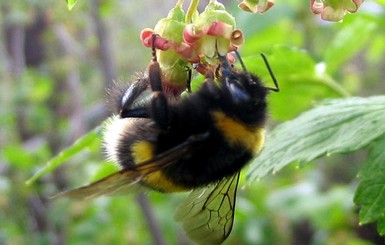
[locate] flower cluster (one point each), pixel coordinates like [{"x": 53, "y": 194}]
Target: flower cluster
[
  {"x": 334, "y": 10},
  {"x": 185, "y": 39}
]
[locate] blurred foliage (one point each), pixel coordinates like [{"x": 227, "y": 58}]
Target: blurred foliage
[{"x": 54, "y": 68}]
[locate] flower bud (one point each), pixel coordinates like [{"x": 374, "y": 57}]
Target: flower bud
[
  {"x": 168, "y": 41},
  {"x": 332, "y": 10},
  {"x": 255, "y": 6},
  {"x": 213, "y": 31}
]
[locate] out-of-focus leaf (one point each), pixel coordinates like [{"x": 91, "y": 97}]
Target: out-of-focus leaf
[
  {"x": 299, "y": 82},
  {"x": 106, "y": 6},
  {"x": 370, "y": 193},
  {"x": 340, "y": 125},
  {"x": 36, "y": 87},
  {"x": 17, "y": 156},
  {"x": 272, "y": 32},
  {"x": 350, "y": 39},
  {"x": 382, "y": 2},
  {"x": 306, "y": 201},
  {"x": 104, "y": 170},
  {"x": 67, "y": 153},
  {"x": 25, "y": 157},
  {"x": 71, "y": 4}
]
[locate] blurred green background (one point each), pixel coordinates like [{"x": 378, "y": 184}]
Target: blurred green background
[{"x": 55, "y": 65}]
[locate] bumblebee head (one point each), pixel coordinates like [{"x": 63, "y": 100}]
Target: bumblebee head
[
  {"x": 242, "y": 87},
  {"x": 246, "y": 95}
]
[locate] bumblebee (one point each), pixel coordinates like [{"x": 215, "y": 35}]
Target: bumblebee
[{"x": 197, "y": 143}]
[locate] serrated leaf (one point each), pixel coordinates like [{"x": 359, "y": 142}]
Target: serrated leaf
[
  {"x": 340, "y": 125},
  {"x": 71, "y": 3},
  {"x": 79, "y": 145},
  {"x": 370, "y": 193}
]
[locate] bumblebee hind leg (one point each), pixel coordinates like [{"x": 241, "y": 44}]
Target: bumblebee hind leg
[{"x": 159, "y": 105}]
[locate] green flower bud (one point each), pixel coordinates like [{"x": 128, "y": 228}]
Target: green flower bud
[
  {"x": 255, "y": 6},
  {"x": 334, "y": 10},
  {"x": 214, "y": 12},
  {"x": 173, "y": 67}
]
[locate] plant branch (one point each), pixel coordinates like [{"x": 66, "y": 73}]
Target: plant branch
[
  {"x": 151, "y": 221},
  {"x": 107, "y": 62}
]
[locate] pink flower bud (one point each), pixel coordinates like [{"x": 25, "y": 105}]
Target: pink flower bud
[
  {"x": 146, "y": 36},
  {"x": 190, "y": 36},
  {"x": 237, "y": 37}
]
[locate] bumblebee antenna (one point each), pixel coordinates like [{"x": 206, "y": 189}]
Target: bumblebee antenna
[
  {"x": 276, "y": 89},
  {"x": 240, "y": 61},
  {"x": 243, "y": 65}
]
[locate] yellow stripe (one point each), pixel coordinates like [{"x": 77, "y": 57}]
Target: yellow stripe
[
  {"x": 161, "y": 182},
  {"x": 144, "y": 151},
  {"x": 238, "y": 133}
]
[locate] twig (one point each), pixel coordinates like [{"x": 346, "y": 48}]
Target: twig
[
  {"x": 152, "y": 224},
  {"x": 108, "y": 66}
]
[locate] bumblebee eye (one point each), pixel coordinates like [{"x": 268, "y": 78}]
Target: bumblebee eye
[{"x": 237, "y": 91}]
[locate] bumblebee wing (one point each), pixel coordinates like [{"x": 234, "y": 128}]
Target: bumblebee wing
[
  {"x": 109, "y": 185},
  {"x": 126, "y": 179},
  {"x": 207, "y": 214}
]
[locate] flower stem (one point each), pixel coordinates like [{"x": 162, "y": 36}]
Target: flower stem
[
  {"x": 324, "y": 80},
  {"x": 332, "y": 84},
  {"x": 179, "y": 3},
  {"x": 191, "y": 10}
]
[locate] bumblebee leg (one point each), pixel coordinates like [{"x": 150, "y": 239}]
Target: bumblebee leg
[
  {"x": 188, "y": 84},
  {"x": 209, "y": 77},
  {"x": 159, "y": 104},
  {"x": 138, "y": 113}
]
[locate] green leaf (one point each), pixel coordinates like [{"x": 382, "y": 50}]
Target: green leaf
[
  {"x": 370, "y": 193},
  {"x": 350, "y": 40},
  {"x": 381, "y": 225},
  {"x": 22, "y": 157},
  {"x": 104, "y": 170},
  {"x": 270, "y": 30},
  {"x": 71, "y": 3},
  {"x": 296, "y": 75},
  {"x": 82, "y": 143},
  {"x": 336, "y": 126}
]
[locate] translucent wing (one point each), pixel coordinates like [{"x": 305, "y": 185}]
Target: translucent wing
[
  {"x": 126, "y": 179},
  {"x": 207, "y": 214},
  {"x": 112, "y": 184}
]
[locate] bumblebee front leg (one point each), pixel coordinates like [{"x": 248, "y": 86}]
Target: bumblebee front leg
[
  {"x": 159, "y": 105},
  {"x": 188, "y": 84},
  {"x": 209, "y": 83}
]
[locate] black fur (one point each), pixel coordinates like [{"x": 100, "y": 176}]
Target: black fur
[{"x": 214, "y": 158}]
